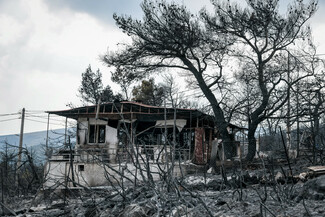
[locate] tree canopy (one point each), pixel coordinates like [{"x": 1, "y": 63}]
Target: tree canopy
[
  {"x": 257, "y": 36},
  {"x": 91, "y": 89},
  {"x": 264, "y": 37},
  {"x": 149, "y": 93}
]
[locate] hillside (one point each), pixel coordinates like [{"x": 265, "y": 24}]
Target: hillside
[{"x": 34, "y": 141}]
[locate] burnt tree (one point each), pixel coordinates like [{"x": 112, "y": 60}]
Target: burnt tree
[
  {"x": 262, "y": 35},
  {"x": 170, "y": 37}
]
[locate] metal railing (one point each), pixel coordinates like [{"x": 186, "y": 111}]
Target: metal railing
[{"x": 152, "y": 153}]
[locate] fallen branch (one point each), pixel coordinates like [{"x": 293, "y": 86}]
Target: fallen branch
[{"x": 8, "y": 209}]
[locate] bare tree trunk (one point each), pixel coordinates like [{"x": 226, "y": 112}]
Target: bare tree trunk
[
  {"x": 251, "y": 142},
  {"x": 71, "y": 163},
  {"x": 219, "y": 117}
]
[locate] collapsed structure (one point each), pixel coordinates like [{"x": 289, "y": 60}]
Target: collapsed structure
[{"x": 111, "y": 136}]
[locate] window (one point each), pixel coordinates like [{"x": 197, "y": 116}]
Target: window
[
  {"x": 92, "y": 134},
  {"x": 81, "y": 168},
  {"x": 97, "y": 133},
  {"x": 101, "y": 133}
]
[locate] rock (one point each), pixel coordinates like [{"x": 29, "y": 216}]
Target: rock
[
  {"x": 320, "y": 183},
  {"x": 38, "y": 208},
  {"x": 278, "y": 176},
  {"x": 212, "y": 182},
  {"x": 215, "y": 184},
  {"x": 54, "y": 212},
  {"x": 313, "y": 189},
  {"x": 250, "y": 179},
  {"x": 317, "y": 184},
  {"x": 302, "y": 176}
]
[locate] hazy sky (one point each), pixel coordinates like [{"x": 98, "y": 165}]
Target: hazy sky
[{"x": 45, "y": 45}]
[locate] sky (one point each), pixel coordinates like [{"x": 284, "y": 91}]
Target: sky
[{"x": 45, "y": 45}]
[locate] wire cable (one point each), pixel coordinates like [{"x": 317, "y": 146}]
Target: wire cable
[
  {"x": 44, "y": 122},
  {"x": 18, "y": 113},
  {"x": 35, "y": 111},
  {"x": 9, "y": 119},
  {"x": 45, "y": 117}
]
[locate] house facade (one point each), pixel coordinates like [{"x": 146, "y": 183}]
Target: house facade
[{"x": 124, "y": 133}]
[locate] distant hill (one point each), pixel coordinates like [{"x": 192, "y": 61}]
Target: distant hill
[{"x": 35, "y": 141}]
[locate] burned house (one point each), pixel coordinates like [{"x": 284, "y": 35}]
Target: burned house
[{"x": 112, "y": 134}]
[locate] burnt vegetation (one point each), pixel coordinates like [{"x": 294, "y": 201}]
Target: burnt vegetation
[{"x": 255, "y": 67}]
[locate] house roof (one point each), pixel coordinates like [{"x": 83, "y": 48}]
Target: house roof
[
  {"x": 129, "y": 110},
  {"x": 133, "y": 110}
]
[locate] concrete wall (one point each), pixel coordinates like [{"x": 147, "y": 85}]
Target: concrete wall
[
  {"x": 111, "y": 139},
  {"x": 82, "y": 131},
  {"x": 55, "y": 174},
  {"x": 112, "y": 142},
  {"x": 95, "y": 175},
  {"x": 92, "y": 175},
  {"x": 91, "y": 172}
]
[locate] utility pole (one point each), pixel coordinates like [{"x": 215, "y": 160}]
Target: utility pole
[
  {"x": 288, "y": 107},
  {"x": 20, "y": 143},
  {"x": 47, "y": 136},
  {"x": 2, "y": 192},
  {"x": 298, "y": 124},
  {"x": 65, "y": 132}
]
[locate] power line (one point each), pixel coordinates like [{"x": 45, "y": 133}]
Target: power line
[
  {"x": 9, "y": 119},
  {"x": 44, "y": 122},
  {"x": 10, "y": 114},
  {"x": 45, "y": 117},
  {"x": 35, "y": 111}
]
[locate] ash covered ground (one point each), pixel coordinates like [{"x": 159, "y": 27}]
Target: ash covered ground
[{"x": 239, "y": 192}]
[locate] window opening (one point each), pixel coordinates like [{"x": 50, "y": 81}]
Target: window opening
[
  {"x": 81, "y": 168},
  {"x": 92, "y": 130},
  {"x": 97, "y": 133},
  {"x": 101, "y": 137}
]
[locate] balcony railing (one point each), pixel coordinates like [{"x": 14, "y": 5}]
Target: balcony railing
[{"x": 151, "y": 153}]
